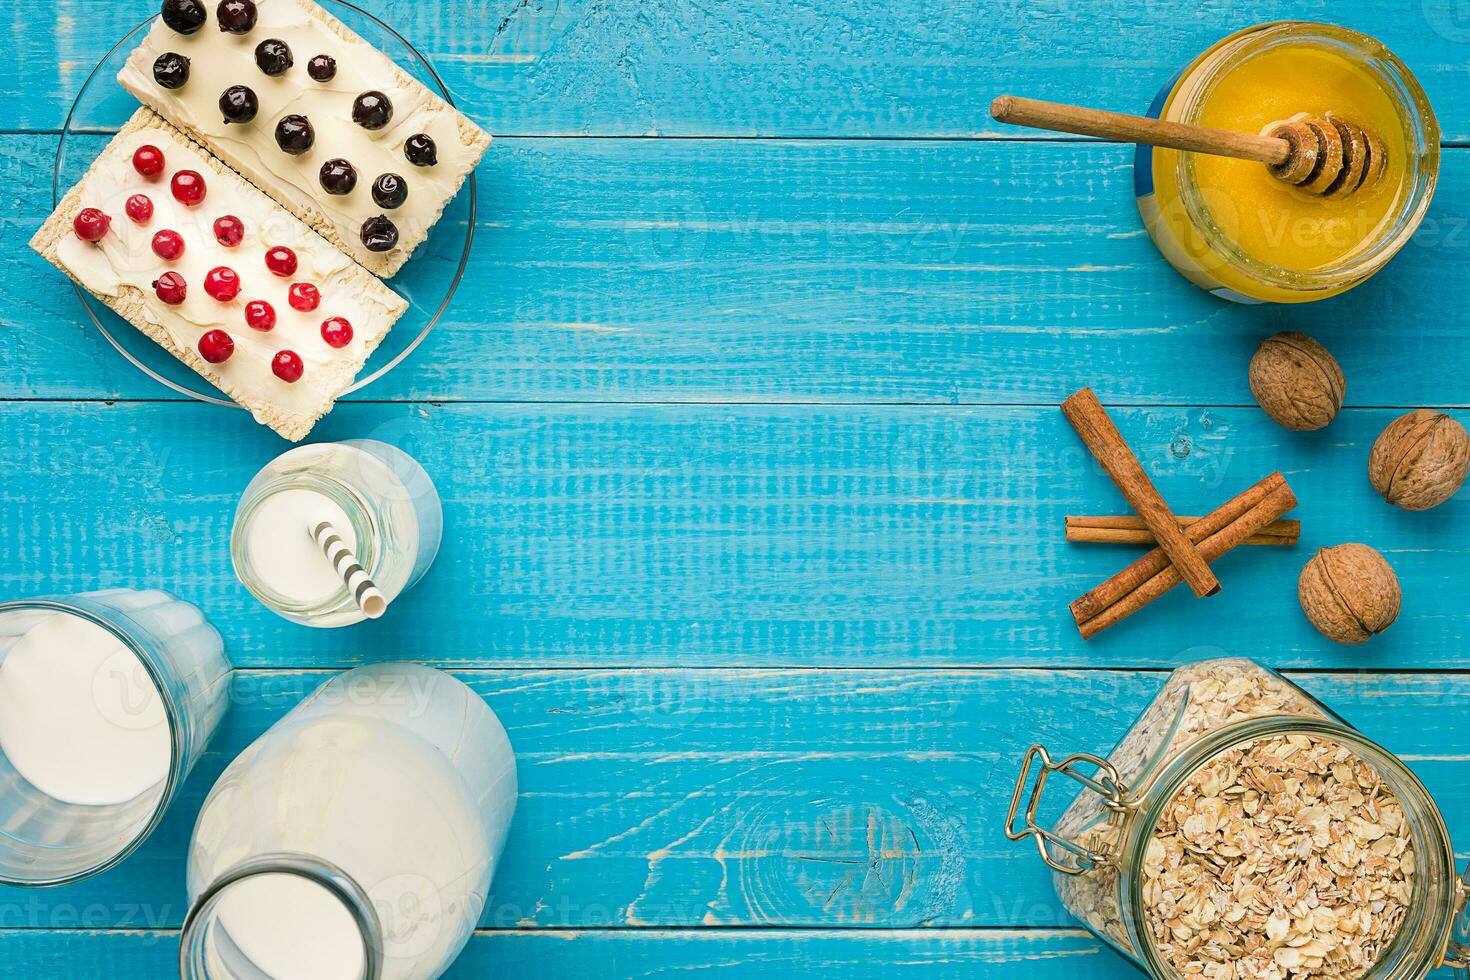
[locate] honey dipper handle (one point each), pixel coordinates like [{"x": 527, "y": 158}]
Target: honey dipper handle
[{"x": 1137, "y": 129}]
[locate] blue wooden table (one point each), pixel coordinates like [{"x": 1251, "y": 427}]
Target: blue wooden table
[{"x": 746, "y": 428}]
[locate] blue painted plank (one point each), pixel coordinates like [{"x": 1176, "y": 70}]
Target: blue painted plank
[
  {"x": 795, "y": 798},
  {"x": 676, "y": 535},
  {"x": 691, "y": 270},
  {"x": 752, "y": 67},
  {"x": 736, "y": 954}
]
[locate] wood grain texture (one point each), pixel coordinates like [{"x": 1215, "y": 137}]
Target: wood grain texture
[
  {"x": 749, "y": 67},
  {"x": 681, "y": 535},
  {"x": 957, "y": 954},
  {"x": 948, "y": 273},
  {"x": 804, "y": 798}
]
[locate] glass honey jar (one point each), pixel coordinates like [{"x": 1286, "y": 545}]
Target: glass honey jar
[
  {"x": 1232, "y": 228},
  {"x": 1126, "y": 861}
]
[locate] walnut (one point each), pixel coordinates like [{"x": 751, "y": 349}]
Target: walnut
[
  {"x": 1420, "y": 460},
  {"x": 1297, "y": 381},
  {"x": 1349, "y": 593}
]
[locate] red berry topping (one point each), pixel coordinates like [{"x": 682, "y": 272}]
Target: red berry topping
[
  {"x": 281, "y": 260},
  {"x": 188, "y": 187},
  {"x": 140, "y": 209},
  {"x": 168, "y": 245},
  {"x": 171, "y": 288},
  {"x": 223, "y": 283},
  {"x": 287, "y": 366},
  {"x": 91, "y": 225},
  {"x": 229, "y": 230},
  {"x": 260, "y": 315},
  {"x": 148, "y": 161},
  {"x": 337, "y": 332},
  {"x": 216, "y": 346},
  {"x": 304, "y": 297}
]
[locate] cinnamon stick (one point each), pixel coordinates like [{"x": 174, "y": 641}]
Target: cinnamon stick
[
  {"x": 1277, "y": 503},
  {"x": 1145, "y": 568},
  {"x": 1106, "y": 443},
  {"x": 1128, "y": 529}
]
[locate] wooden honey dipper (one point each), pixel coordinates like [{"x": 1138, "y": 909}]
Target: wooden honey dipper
[{"x": 1329, "y": 157}]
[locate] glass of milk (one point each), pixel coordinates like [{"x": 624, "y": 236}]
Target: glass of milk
[
  {"x": 377, "y": 497},
  {"x": 356, "y": 839},
  {"x": 107, "y": 699}
]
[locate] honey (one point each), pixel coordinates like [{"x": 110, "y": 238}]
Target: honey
[{"x": 1234, "y": 229}]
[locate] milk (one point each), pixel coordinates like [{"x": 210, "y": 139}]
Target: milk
[
  {"x": 80, "y": 718},
  {"x": 283, "y": 554},
  {"x": 292, "y": 928}
]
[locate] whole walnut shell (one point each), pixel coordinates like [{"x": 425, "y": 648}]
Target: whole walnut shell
[
  {"x": 1297, "y": 381},
  {"x": 1420, "y": 460},
  {"x": 1349, "y": 593}
]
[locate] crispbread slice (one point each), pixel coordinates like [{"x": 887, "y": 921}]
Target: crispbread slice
[
  {"x": 255, "y": 156},
  {"x": 290, "y": 410}
]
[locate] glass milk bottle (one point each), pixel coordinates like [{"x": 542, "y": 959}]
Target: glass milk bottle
[
  {"x": 107, "y": 699},
  {"x": 356, "y": 839},
  {"x": 377, "y": 498}
]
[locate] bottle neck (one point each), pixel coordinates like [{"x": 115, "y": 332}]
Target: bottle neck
[{"x": 208, "y": 950}]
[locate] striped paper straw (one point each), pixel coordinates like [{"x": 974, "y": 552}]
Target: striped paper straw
[{"x": 359, "y": 585}]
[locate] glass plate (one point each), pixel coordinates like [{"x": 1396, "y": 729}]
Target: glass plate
[{"x": 428, "y": 281}]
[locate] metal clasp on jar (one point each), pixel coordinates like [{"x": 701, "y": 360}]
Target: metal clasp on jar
[{"x": 1105, "y": 782}]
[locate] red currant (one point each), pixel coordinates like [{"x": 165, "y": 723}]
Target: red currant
[
  {"x": 229, "y": 230},
  {"x": 216, "y": 346},
  {"x": 304, "y": 297},
  {"x": 260, "y": 315},
  {"x": 171, "y": 288},
  {"x": 188, "y": 188},
  {"x": 139, "y": 208},
  {"x": 281, "y": 260},
  {"x": 287, "y": 366},
  {"x": 91, "y": 225},
  {"x": 223, "y": 283},
  {"x": 148, "y": 161},
  {"x": 168, "y": 245},
  {"x": 337, "y": 332}
]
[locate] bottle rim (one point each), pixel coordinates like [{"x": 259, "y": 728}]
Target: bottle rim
[
  {"x": 326, "y": 875},
  {"x": 1422, "y": 135},
  {"x": 132, "y": 636}
]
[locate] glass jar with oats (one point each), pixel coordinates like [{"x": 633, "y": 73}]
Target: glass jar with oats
[{"x": 1242, "y": 831}]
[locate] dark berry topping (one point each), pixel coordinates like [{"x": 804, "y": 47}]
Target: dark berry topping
[
  {"x": 229, "y": 230},
  {"x": 421, "y": 150},
  {"x": 139, "y": 209},
  {"x": 390, "y": 191},
  {"x": 91, "y": 225},
  {"x": 379, "y": 234},
  {"x": 322, "y": 68},
  {"x": 184, "y": 16},
  {"x": 148, "y": 161},
  {"x": 260, "y": 315},
  {"x": 171, "y": 70},
  {"x": 337, "y": 332},
  {"x": 274, "y": 57},
  {"x": 281, "y": 261},
  {"x": 287, "y": 366},
  {"x": 168, "y": 245},
  {"x": 304, "y": 296},
  {"x": 372, "y": 110},
  {"x": 223, "y": 283},
  {"x": 236, "y": 16},
  {"x": 239, "y": 104},
  {"x": 216, "y": 346},
  {"x": 188, "y": 188},
  {"x": 294, "y": 134},
  {"x": 338, "y": 177},
  {"x": 171, "y": 288}
]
